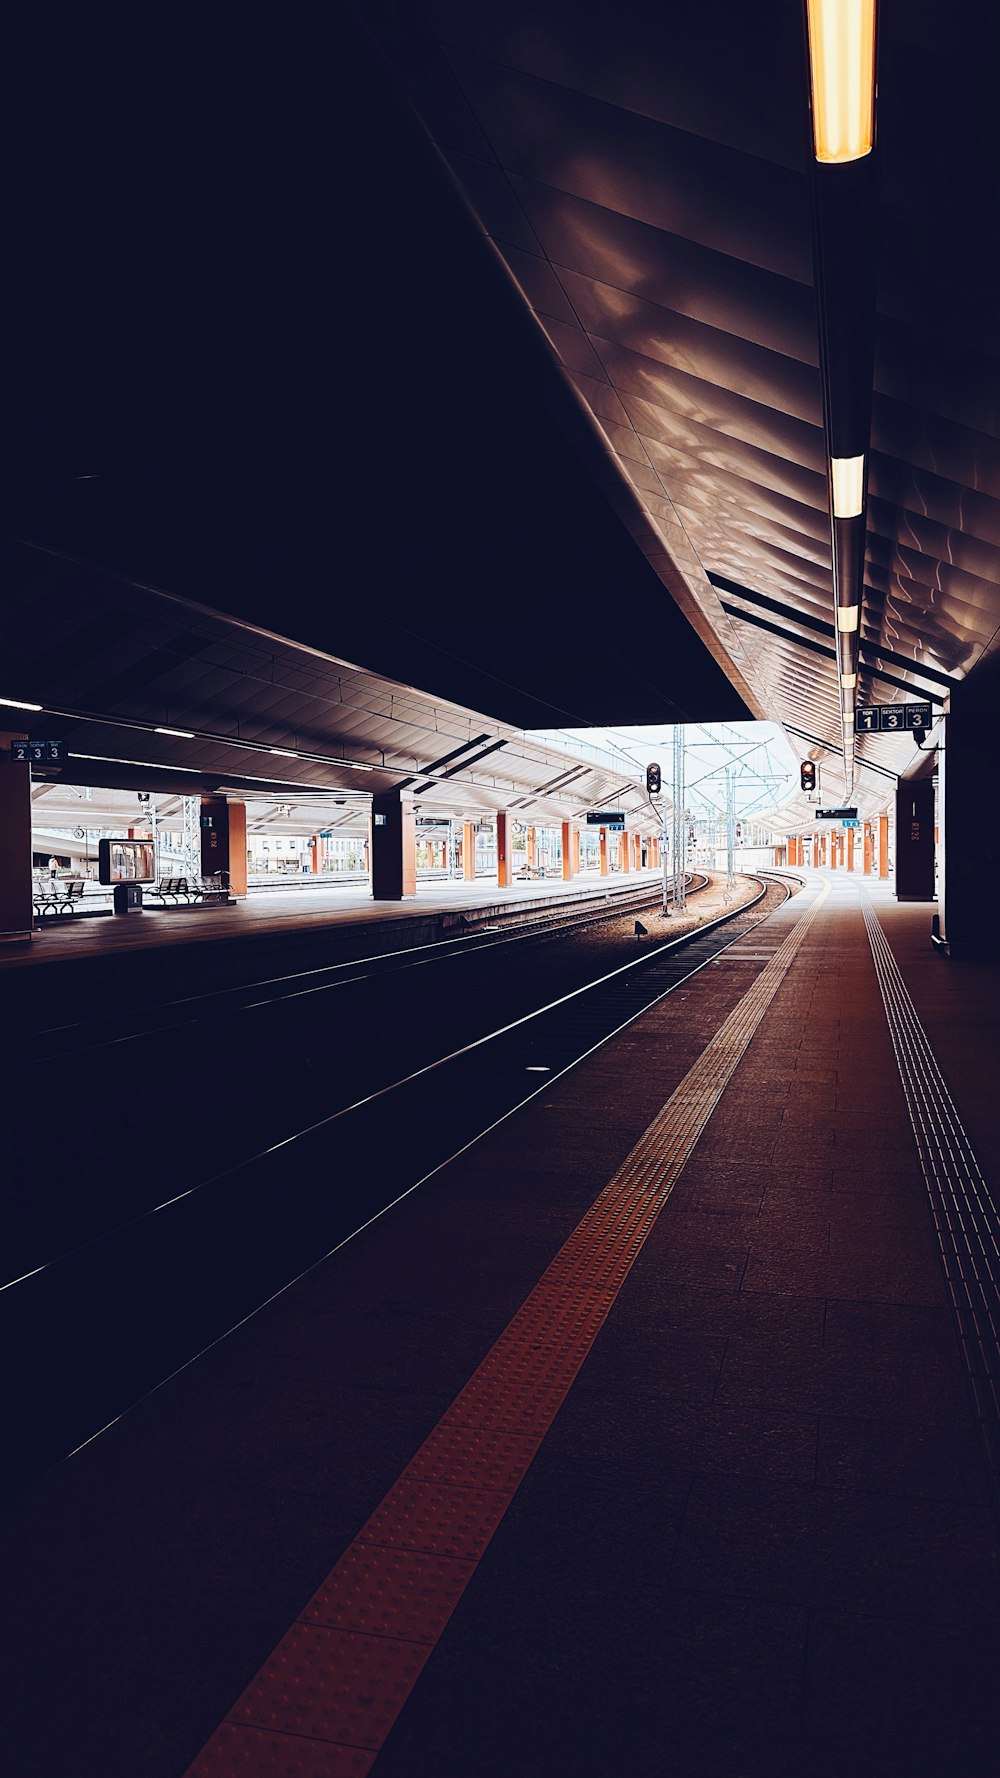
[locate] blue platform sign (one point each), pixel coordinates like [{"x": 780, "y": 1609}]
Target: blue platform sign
[{"x": 850, "y": 824}]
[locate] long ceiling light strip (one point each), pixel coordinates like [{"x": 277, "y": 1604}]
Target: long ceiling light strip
[
  {"x": 247, "y": 746},
  {"x": 847, "y": 479},
  {"x": 842, "y": 73},
  {"x": 841, "y": 37}
]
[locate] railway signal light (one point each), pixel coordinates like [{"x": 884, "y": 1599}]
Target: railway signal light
[
  {"x": 653, "y": 780},
  {"x": 808, "y": 775}
]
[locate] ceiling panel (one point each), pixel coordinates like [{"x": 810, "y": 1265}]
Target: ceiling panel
[{"x": 647, "y": 188}]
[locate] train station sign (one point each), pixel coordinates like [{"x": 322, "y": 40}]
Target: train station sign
[
  {"x": 836, "y": 815},
  {"x": 39, "y": 753},
  {"x": 887, "y": 719},
  {"x": 613, "y": 819}
]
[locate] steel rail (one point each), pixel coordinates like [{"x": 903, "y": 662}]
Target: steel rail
[{"x": 215, "y": 1002}]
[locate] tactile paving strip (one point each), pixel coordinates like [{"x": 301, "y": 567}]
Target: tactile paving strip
[
  {"x": 343, "y": 1671},
  {"x": 966, "y": 1220}
]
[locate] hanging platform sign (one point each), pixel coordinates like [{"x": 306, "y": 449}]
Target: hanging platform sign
[
  {"x": 889, "y": 719},
  {"x": 614, "y": 819},
  {"x": 39, "y": 753}
]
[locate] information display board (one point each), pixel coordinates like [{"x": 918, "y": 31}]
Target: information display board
[{"x": 126, "y": 861}]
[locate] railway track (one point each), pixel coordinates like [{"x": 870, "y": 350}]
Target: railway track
[
  {"x": 101, "y": 1325},
  {"x": 108, "y": 1029}
]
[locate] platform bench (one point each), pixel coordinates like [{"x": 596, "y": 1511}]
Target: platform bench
[
  {"x": 189, "y": 890},
  {"x": 59, "y": 901}
]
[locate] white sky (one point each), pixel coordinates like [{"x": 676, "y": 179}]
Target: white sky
[{"x": 765, "y": 767}]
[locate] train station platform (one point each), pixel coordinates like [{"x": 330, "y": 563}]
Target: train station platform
[
  {"x": 436, "y": 906},
  {"x": 655, "y": 1433}
]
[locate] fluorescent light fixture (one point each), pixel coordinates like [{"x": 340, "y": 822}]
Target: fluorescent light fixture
[
  {"x": 19, "y": 704},
  {"x": 848, "y": 477},
  {"x": 282, "y": 753},
  {"x": 183, "y": 734},
  {"x": 848, "y": 681},
  {"x": 847, "y": 618},
  {"x": 842, "y": 73}
]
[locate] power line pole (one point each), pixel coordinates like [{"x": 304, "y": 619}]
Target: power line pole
[
  {"x": 730, "y": 830},
  {"x": 680, "y": 827}
]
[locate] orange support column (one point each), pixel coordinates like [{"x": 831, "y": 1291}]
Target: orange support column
[
  {"x": 850, "y": 848},
  {"x": 575, "y": 853},
  {"x": 623, "y": 852},
  {"x": 503, "y": 854},
  {"x": 567, "y": 855},
  {"x": 531, "y": 848},
  {"x": 867, "y": 848},
  {"x": 468, "y": 852},
  {"x": 638, "y": 851},
  {"x": 224, "y": 841},
  {"x": 604, "y": 851},
  {"x": 314, "y": 854},
  {"x": 883, "y": 845}
]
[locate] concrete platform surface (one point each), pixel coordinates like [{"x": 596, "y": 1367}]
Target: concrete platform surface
[
  {"x": 749, "y": 1532},
  {"x": 59, "y": 937}
]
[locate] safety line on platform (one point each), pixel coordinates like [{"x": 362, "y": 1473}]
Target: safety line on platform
[
  {"x": 966, "y": 1221},
  {"x": 326, "y": 1698}
]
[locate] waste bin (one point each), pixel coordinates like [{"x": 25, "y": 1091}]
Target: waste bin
[{"x": 127, "y": 898}]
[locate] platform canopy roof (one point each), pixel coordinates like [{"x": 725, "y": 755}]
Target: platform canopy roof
[
  {"x": 643, "y": 175},
  {"x": 151, "y": 691},
  {"x": 477, "y": 346}
]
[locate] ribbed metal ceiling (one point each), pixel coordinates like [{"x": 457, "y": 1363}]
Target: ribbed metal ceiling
[{"x": 643, "y": 175}]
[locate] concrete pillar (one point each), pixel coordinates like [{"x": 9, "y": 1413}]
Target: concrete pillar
[
  {"x": 224, "y": 841},
  {"x": 16, "y": 912},
  {"x": 393, "y": 847},
  {"x": 468, "y": 852},
  {"x": 504, "y": 837},
  {"x": 567, "y": 852},
  {"x": 575, "y": 851},
  {"x": 969, "y": 817},
  {"x": 883, "y": 846},
  {"x": 915, "y": 840},
  {"x": 604, "y": 851}
]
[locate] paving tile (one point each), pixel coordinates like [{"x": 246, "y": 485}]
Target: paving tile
[
  {"x": 926, "y": 1459},
  {"x": 685, "y": 1366},
  {"x": 839, "y": 1548},
  {"x": 859, "y": 1277},
  {"x": 646, "y": 1435},
  {"x": 885, "y": 1696}
]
